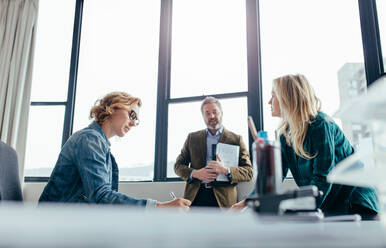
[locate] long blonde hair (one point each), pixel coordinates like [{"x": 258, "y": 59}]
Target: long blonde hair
[
  {"x": 298, "y": 105},
  {"x": 106, "y": 106}
]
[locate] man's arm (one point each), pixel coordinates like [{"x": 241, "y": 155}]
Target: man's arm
[{"x": 181, "y": 167}]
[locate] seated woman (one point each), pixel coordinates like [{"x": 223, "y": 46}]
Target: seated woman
[
  {"x": 86, "y": 171},
  {"x": 312, "y": 144}
]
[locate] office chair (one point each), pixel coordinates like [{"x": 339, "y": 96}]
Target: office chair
[{"x": 10, "y": 189}]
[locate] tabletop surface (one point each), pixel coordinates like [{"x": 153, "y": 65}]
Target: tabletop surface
[{"x": 108, "y": 226}]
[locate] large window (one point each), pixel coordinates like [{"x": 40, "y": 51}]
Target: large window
[
  {"x": 172, "y": 54},
  {"x": 209, "y": 56},
  {"x": 299, "y": 37},
  {"x": 49, "y": 85},
  {"x": 119, "y": 52}
]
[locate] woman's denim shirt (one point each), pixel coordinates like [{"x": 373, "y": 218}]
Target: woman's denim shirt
[{"x": 86, "y": 172}]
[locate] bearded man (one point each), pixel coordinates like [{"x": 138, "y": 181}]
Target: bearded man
[{"x": 199, "y": 166}]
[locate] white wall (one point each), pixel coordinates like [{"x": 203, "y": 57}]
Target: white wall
[{"x": 154, "y": 190}]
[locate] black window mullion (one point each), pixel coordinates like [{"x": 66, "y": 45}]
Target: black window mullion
[
  {"x": 370, "y": 40},
  {"x": 163, "y": 92},
  {"x": 255, "y": 96},
  {"x": 70, "y": 106},
  {"x": 200, "y": 98},
  {"x": 48, "y": 103}
]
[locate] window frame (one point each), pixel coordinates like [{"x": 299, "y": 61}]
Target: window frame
[
  {"x": 164, "y": 70},
  {"x": 71, "y": 92},
  {"x": 371, "y": 40},
  {"x": 372, "y": 57}
]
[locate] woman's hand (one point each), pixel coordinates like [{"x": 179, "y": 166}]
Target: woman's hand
[
  {"x": 177, "y": 203},
  {"x": 238, "y": 206}
]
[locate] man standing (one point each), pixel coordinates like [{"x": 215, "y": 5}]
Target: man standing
[{"x": 198, "y": 167}]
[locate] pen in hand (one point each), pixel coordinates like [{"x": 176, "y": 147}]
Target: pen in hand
[
  {"x": 172, "y": 195},
  {"x": 178, "y": 202}
]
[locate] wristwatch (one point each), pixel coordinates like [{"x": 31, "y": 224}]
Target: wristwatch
[{"x": 229, "y": 175}]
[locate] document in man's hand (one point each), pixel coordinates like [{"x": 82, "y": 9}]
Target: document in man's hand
[{"x": 229, "y": 155}]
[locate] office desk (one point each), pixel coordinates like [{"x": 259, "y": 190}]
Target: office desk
[{"x": 86, "y": 226}]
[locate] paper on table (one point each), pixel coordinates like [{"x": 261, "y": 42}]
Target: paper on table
[{"x": 229, "y": 155}]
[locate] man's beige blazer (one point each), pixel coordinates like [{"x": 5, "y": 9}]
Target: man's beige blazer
[{"x": 193, "y": 156}]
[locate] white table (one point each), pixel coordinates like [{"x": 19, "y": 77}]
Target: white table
[{"x": 86, "y": 226}]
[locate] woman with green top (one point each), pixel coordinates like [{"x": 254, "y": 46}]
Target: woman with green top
[{"x": 312, "y": 144}]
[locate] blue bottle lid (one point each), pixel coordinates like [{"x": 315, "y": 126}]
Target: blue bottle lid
[{"x": 263, "y": 135}]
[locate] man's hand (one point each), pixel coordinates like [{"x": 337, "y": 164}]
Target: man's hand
[
  {"x": 217, "y": 166},
  {"x": 205, "y": 174},
  {"x": 177, "y": 203}
]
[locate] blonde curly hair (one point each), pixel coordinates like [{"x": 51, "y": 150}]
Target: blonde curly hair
[{"x": 105, "y": 107}]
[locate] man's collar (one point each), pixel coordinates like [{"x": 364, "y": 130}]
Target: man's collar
[{"x": 219, "y": 132}]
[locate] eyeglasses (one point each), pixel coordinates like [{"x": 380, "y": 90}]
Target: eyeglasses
[{"x": 133, "y": 117}]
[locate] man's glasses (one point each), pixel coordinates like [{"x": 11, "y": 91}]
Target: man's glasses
[{"x": 133, "y": 117}]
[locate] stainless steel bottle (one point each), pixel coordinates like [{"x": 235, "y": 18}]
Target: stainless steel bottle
[{"x": 267, "y": 160}]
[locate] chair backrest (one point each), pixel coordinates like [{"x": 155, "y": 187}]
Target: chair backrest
[{"x": 10, "y": 189}]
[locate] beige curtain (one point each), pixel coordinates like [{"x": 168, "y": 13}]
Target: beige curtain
[{"x": 17, "y": 36}]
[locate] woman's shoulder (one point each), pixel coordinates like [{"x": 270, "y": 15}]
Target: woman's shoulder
[
  {"x": 322, "y": 120},
  {"x": 322, "y": 127},
  {"x": 88, "y": 136}
]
